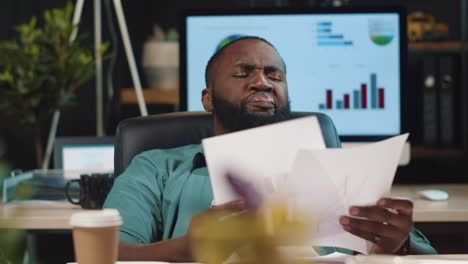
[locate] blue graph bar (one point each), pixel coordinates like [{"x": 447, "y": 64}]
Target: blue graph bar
[
  {"x": 357, "y": 99},
  {"x": 330, "y": 37},
  {"x": 335, "y": 43},
  {"x": 339, "y": 104},
  {"x": 373, "y": 83},
  {"x": 321, "y": 106},
  {"x": 324, "y": 23},
  {"x": 324, "y": 30}
]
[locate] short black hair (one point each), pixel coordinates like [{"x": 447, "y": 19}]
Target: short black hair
[{"x": 214, "y": 58}]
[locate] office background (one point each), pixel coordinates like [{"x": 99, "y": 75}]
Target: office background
[{"x": 432, "y": 162}]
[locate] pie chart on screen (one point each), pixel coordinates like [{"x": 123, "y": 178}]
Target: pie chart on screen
[{"x": 381, "y": 32}]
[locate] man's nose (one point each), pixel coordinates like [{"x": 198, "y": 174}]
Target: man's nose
[{"x": 261, "y": 82}]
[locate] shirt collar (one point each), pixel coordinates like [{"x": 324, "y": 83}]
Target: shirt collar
[{"x": 198, "y": 161}]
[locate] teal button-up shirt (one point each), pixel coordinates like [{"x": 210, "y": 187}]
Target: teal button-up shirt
[{"x": 160, "y": 191}]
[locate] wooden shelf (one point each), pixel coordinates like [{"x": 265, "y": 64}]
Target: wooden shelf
[
  {"x": 444, "y": 45},
  {"x": 422, "y": 151},
  {"x": 152, "y": 96}
]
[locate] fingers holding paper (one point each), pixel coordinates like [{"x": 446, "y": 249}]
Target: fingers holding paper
[{"x": 386, "y": 224}]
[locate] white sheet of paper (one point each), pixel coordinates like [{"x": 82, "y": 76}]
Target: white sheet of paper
[
  {"x": 264, "y": 154},
  {"x": 327, "y": 182},
  {"x": 335, "y": 257},
  {"x": 299, "y": 254},
  {"x": 309, "y": 254}
]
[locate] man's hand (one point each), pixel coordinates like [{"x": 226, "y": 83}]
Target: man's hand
[{"x": 386, "y": 224}]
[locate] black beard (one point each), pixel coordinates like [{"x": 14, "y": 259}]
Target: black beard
[{"x": 234, "y": 118}]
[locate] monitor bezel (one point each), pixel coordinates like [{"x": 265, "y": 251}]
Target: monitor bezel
[{"x": 401, "y": 11}]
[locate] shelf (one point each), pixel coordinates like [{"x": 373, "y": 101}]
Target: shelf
[
  {"x": 436, "y": 46},
  {"x": 152, "y": 96},
  {"x": 434, "y": 152}
]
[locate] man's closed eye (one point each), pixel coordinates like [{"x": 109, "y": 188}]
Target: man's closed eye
[{"x": 242, "y": 75}]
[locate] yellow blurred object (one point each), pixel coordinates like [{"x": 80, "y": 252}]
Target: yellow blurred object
[
  {"x": 423, "y": 27},
  {"x": 248, "y": 237}
]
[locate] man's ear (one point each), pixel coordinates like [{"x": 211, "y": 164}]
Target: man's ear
[{"x": 207, "y": 99}]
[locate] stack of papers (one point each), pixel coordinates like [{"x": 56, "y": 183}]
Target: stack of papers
[
  {"x": 262, "y": 154},
  {"x": 290, "y": 157}
]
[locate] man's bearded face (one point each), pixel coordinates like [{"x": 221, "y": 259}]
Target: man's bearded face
[{"x": 247, "y": 87}]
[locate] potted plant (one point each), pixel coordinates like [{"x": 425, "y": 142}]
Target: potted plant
[
  {"x": 161, "y": 59},
  {"x": 41, "y": 69}
]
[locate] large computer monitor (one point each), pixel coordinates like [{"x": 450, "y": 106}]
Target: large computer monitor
[{"x": 345, "y": 62}]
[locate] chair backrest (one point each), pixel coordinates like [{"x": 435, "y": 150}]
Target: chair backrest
[{"x": 138, "y": 134}]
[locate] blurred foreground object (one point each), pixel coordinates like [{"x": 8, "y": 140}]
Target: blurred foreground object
[{"x": 254, "y": 235}]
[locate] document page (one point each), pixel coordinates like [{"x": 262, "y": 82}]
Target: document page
[
  {"x": 262, "y": 155},
  {"x": 325, "y": 183}
]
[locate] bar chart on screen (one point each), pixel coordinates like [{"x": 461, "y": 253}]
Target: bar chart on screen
[
  {"x": 326, "y": 36},
  {"x": 371, "y": 97}
]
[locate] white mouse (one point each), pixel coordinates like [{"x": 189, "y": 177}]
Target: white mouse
[{"x": 434, "y": 194}]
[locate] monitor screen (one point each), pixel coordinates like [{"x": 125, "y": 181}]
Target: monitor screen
[
  {"x": 96, "y": 158},
  {"x": 79, "y": 155},
  {"x": 346, "y": 63}
]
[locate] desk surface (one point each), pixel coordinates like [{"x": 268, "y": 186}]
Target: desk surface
[
  {"x": 56, "y": 215},
  {"x": 455, "y": 209},
  {"x": 37, "y": 215}
]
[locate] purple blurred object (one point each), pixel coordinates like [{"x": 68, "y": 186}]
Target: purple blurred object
[{"x": 253, "y": 199}]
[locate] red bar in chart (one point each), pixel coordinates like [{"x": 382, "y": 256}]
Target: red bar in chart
[
  {"x": 329, "y": 99},
  {"x": 364, "y": 95},
  {"x": 346, "y": 101},
  {"x": 381, "y": 98}
]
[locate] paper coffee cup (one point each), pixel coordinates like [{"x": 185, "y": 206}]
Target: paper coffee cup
[{"x": 96, "y": 236}]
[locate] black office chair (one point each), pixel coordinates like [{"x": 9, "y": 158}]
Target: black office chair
[{"x": 138, "y": 134}]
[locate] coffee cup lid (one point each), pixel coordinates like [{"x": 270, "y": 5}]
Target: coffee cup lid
[{"x": 98, "y": 218}]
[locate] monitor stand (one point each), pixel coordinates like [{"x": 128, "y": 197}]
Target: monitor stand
[{"x": 405, "y": 155}]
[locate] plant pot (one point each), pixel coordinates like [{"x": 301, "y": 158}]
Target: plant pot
[{"x": 161, "y": 64}]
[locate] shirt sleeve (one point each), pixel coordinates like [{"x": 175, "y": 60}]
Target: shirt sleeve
[
  {"x": 137, "y": 195},
  {"x": 419, "y": 244}
]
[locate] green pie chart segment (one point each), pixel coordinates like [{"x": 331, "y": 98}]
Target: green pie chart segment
[{"x": 382, "y": 40}]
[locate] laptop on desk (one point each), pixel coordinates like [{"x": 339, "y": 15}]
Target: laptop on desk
[
  {"x": 73, "y": 156},
  {"x": 84, "y": 155}
]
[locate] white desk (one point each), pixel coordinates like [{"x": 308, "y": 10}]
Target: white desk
[
  {"x": 37, "y": 215},
  {"x": 56, "y": 215},
  {"x": 455, "y": 209}
]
